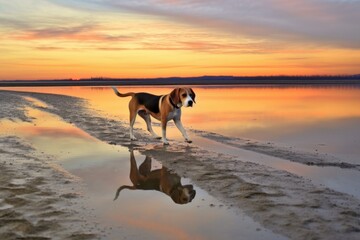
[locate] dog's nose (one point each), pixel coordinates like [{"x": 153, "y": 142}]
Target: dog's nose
[
  {"x": 192, "y": 194},
  {"x": 190, "y": 103}
]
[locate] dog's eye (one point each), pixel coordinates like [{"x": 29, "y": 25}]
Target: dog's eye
[{"x": 184, "y": 95}]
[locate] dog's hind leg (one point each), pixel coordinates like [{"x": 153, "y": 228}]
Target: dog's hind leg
[
  {"x": 144, "y": 115},
  {"x": 145, "y": 167},
  {"x": 133, "y": 108},
  {"x": 134, "y": 176},
  {"x": 132, "y": 122}
]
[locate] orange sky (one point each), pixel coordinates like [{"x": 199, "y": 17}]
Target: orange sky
[{"x": 53, "y": 39}]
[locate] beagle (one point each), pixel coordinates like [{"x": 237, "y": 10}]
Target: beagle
[
  {"x": 161, "y": 180},
  {"x": 163, "y": 108}
]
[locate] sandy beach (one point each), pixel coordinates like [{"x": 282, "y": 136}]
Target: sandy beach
[{"x": 40, "y": 199}]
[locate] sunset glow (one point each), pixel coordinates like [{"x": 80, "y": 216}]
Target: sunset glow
[{"x": 55, "y": 39}]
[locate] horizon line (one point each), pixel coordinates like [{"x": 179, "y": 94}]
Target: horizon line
[{"x": 191, "y": 77}]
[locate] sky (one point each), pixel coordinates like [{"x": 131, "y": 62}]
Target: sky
[{"x": 57, "y": 39}]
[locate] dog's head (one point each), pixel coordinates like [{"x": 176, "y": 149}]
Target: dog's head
[
  {"x": 183, "y": 97},
  {"x": 183, "y": 194}
]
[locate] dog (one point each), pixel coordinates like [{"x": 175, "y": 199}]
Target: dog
[
  {"x": 161, "y": 180},
  {"x": 163, "y": 108}
]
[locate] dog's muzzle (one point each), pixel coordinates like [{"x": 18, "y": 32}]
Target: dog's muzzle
[{"x": 192, "y": 194}]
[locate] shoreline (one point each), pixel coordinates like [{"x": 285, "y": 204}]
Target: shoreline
[{"x": 198, "y": 81}]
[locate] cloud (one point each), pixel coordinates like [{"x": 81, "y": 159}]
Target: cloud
[
  {"x": 318, "y": 22},
  {"x": 236, "y": 26},
  {"x": 48, "y": 48},
  {"x": 306, "y": 23},
  {"x": 205, "y": 46},
  {"x": 83, "y": 32},
  {"x": 13, "y": 23},
  {"x": 56, "y": 32}
]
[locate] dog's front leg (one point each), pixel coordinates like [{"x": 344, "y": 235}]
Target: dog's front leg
[
  {"x": 163, "y": 128},
  {"x": 182, "y": 130}
]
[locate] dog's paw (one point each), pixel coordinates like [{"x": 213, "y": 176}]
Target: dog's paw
[
  {"x": 188, "y": 141},
  {"x": 166, "y": 143},
  {"x": 157, "y": 137}
]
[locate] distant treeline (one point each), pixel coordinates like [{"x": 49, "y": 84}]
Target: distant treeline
[{"x": 204, "y": 80}]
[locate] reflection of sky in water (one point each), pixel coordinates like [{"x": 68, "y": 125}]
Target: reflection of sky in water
[{"x": 135, "y": 214}]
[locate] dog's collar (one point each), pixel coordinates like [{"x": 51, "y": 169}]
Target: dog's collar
[{"x": 172, "y": 103}]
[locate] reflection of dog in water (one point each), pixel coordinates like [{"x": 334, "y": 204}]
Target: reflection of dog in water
[{"x": 160, "y": 180}]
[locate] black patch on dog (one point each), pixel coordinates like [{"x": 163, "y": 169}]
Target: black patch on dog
[
  {"x": 151, "y": 102},
  {"x": 192, "y": 95}
]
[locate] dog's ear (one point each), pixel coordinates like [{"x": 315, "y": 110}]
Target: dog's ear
[
  {"x": 175, "y": 195},
  {"x": 175, "y": 96},
  {"x": 192, "y": 94}
]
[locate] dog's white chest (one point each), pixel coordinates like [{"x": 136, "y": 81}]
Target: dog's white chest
[{"x": 174, "y": 114}]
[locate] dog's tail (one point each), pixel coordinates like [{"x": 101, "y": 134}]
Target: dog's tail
[
  {"x": 122, "y": 95},
  {"x": 121, "y": 188}
]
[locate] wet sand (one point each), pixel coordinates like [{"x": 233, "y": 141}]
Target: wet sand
[
  {"x": 280, "y": 201},
  {"x": 38, "y": 199}
]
